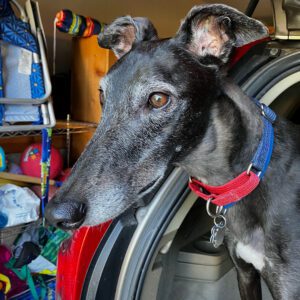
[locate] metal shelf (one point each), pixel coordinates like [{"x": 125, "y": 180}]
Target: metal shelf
[{"x": 61, "y": 128}]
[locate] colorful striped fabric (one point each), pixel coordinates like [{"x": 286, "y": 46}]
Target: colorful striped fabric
[
  {"x": 50, "y": 250},
  {"x": 77, "y": 25}
]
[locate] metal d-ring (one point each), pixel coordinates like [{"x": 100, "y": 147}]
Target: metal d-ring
[
  {"x": 249, "y": 170},
  {"x": 262, "y": 107},
  {"x": 222, "y": 221},
  {"x": 219, "y": 210}
]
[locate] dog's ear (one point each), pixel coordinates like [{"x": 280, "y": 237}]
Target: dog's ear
[
  {"x": 216, "y": 29},
  {"x": 122, "y": 33}
]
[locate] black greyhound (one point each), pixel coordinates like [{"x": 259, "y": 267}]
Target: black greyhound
[{"x": 169, "y": 102}]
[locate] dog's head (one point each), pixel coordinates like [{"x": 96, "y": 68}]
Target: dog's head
[{"x": 157, "y": 100}]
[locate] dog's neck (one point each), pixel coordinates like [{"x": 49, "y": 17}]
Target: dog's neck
[{"x": 231, "y": 139}]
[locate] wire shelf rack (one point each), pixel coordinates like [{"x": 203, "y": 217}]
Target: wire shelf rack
[{"x": 61, "y": 128}]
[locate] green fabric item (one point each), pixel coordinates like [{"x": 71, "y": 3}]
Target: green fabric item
[
  {"x": 43, "y": 287},
  {"x": 50, "y": 250}
]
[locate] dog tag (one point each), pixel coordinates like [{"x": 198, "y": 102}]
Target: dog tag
[
  {"x": 217, "y": 236},
  {"x": 218, "y": 231}
]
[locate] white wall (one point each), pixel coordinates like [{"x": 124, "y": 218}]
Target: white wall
[{"x": 165, "y": 14}]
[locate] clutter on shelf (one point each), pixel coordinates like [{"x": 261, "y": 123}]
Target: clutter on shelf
[
  {"x": 18, "y": 205},
  {"x": 28, "y": 248}
]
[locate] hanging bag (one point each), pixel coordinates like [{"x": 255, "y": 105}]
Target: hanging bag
[{"x": 21, "y": 73}]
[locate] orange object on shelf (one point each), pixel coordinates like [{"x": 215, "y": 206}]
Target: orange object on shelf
[{"x": 89, "y": 64}]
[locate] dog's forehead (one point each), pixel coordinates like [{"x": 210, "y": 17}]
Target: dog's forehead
[
  {"x": 148, "y": 62},
  {"x": 150, "y": 67}
]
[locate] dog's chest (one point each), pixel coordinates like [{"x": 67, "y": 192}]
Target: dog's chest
[{"x": 252, "y": 250}]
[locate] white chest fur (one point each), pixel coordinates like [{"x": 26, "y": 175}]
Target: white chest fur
[
  {"x": 252, "y": 250},
  {"x": 251, "y": 255}
]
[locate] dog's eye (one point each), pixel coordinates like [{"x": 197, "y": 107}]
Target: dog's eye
[
  {"x": 158, "y": 100},
  {"x": 101, "y": 97}
]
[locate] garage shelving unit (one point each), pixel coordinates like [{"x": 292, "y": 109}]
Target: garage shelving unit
[{"x": 60, "y": 128}]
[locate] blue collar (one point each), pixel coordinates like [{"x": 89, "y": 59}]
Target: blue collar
[{"x": 262, "y": 156}]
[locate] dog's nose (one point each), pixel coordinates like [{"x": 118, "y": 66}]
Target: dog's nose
[{"x": 65, "y": 215}]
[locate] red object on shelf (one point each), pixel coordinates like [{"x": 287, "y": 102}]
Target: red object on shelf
[
  {"x": 74, "y": 258},
  {"x": 31, "y": 161}
]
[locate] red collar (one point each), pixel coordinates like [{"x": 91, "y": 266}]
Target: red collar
[{"x": 230, "y": 192}]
